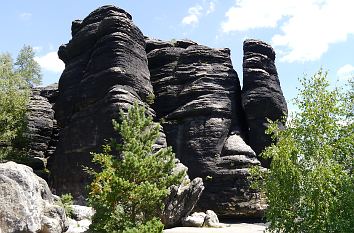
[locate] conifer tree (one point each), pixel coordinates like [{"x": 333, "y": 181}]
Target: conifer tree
[{"x": 129, "y": 190}]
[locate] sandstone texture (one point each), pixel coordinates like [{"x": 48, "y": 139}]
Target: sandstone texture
[
  {"x": 105, "y": 71},
  {"x": 262, "y": 97},
  {"x": 201, "y": 219},
  {"x": 182, "y": 199},
  {"x": 27, "y": 204},
  {"x": 42, "y": 128},
  {"x": 81, "y": 219},
  {"x": 198, "y": 101},
  {"x": 215, "y": 128}
]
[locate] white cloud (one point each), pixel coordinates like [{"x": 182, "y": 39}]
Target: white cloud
[
  {"x": 37, "y": 49},
  {"x": 345, "y": 72},
  {"x": 251, "y": 14},
  {"x": 211, "y": 8},
  {"x": 307, "y": 27},
  {"x": 193, "y": 15},
  {"x": 197, "y": 11},
  {"x": 25, "y": 16},
  {"x": 50, "y": 62}
]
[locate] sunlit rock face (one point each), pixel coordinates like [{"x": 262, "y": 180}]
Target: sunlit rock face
[
  {"x": 198, "y": 101},
  {"x": 262, "y": 97},
  {"x": 105, "y": 71},
  {"x": 216, "y": 129}
]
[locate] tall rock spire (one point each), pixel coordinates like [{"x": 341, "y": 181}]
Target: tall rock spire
[{"x": 262, "y": 97}]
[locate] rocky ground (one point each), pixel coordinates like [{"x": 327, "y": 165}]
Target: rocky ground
[{"x": 234, "y": 227}]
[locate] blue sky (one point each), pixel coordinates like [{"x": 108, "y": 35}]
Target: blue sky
[{"x": 306, "y": 34}]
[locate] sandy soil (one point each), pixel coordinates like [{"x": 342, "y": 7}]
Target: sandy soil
[{"x": 233, "y": 228}]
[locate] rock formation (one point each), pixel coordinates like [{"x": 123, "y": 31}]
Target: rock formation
[
  {"x": 215, "y": 129},
  {"x": 42, "y": 128},
  {"x": 27, "y": 204},
  {"x": 262, "y": 97},
  {"x": 105, "y": 71},
  {"x": 182, "y": 198},
  {"x": 198, "y": 101}
]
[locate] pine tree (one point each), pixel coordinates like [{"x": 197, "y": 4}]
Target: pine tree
[{"x": 129, "y": 190}]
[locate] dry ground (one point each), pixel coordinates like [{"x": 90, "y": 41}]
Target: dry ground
[{"x": 233, "y": 228}]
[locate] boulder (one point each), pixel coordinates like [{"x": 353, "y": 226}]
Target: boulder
[
  {"x": 201, "y": 219},
  {"x": 81, "y": 219},
  {"x": 27, "y": 204},
  {"x": 262, "y": 97},
  {"x": 194, "y": 220},
  {"x": 105, "y": 71},
  {"x": 182, "y": 199},
  {"x": 198, "y": 102},
  {"x": 212, "y": 220}
]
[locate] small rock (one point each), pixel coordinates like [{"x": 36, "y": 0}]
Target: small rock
[
  {"x": 211, "y": 220},
  {"x": 81, "y": 226},
  {"x": 194, "y": 220},
  {"x": 82, "y": 212}
]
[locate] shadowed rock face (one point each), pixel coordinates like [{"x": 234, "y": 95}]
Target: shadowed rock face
[
  {"x": 105, "y": 71},
  {"x": 42, "y": 128},
  {"x": 198, "y": 101},
  {"x": 215, "y": 129},
  {"x": 262, "y": 96}
]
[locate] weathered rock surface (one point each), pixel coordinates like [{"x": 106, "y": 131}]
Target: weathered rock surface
[
  {"x": 198, "y": 101},
  {"x": 262, "y": 96},
  {"x": 182, "y": 199},
  {"x": 201, "y": 219},
  {"x": 81, "y": 219},
  {"x": 194, "y": 220},
  {"x": 215, "y": 129},
  {"x": 105, "y": 71},
  {"x": 27, "y": 205},
  {"x": 42, "y": 128}
]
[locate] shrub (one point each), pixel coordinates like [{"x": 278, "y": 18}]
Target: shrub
[
  {"x": 67, "y": 202},
  {"x": 16, "y": 79},
  {"x": 129, "y": 190},
  {"x": 310, "y": 184}
]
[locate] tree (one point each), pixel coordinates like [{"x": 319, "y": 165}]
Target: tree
[
  {"x": 27, "y": 67},
  {"x": 129, "y": 190},
  {"x": 310, "y": 185},
  {"x": 15, "y": 83}
]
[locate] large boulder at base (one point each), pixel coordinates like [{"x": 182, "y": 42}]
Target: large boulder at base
[
  {"x": 105, "y": 71},
  {"x": 262, "y": 97},
  {"x": 182, "y": 198},
  {"x": 198, "y": 102},
  {"x": 201, "y": 219},
  {"x": 27, "y": 204}
]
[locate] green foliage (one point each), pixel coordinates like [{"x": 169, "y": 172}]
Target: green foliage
[
  {"x": 151, "y": 226},
  {"x": 310, "y": 185},
  {"x": 27, "y": 67},
  {"x": 128, "y": 192},
  {"x": 67, "y": 202},
  {"x": 15, "y": 82},
  {"x": 150, "y": 98}
]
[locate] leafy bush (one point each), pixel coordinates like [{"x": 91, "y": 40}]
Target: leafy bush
[
  {"x": 15, "y": 82},
  {"x": 129, "y": 190},
  {"x": 67, "y": 202},
  {"x": 310, "y": 184}
]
